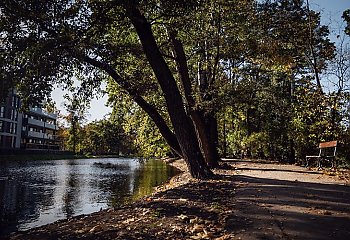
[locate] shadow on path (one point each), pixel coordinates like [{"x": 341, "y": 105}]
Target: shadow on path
[
  {"x": 301, "y": 210},
  {"x": 277, "y": 170},
  {"x": 262, "y": 208}
]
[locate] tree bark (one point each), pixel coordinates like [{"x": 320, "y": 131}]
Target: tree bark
[
  {"x": 312, "y": 50},
  {"x": 214, "y": 136},
  {"x": 224, "y": 154},
  {"x": 201, "y": 122},
  {"x": 207, "y": 135},
  {"x": 291, "y": 151},
  {"x": 184, "y": 129}
]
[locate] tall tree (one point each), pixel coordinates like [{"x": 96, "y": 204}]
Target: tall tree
[
  {"x": 76, "y": 106},
  {"x": 51, "y": 40},
  {"x": 272, "y": 52},
  {"x": 183, "y": 126}
]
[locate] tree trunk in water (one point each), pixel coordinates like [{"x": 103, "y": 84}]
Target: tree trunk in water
[{"x": 184, "y": 129}]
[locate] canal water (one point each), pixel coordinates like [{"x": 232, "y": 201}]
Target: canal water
[{"x": 35, "y": 193}]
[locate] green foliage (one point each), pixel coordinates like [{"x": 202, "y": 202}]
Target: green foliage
[
  {"x": 346, "y": 17},
  {"x": 254, "y": 65},
  {"x": 105, "y": 136},
  {"x": 76, "y": 106},
  {"x": 273, "y": 105},
  {"x": 146, "y": 139}
]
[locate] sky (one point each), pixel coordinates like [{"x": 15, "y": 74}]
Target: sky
[
  {"x": 331, "y": 11},
  {"x": 98, "y": 108}
]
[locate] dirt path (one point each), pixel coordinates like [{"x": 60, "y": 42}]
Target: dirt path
[
  {"x": 279, "y": 201},
  {"x": 248, "y": 200}
]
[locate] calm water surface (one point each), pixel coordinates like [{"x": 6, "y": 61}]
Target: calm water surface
[{"x": 35, "y": 193}]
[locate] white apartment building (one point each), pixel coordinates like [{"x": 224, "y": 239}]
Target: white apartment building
[{"x": 33, "y": 129}]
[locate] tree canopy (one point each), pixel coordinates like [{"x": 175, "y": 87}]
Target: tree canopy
[{"x": 214, "y": 77}]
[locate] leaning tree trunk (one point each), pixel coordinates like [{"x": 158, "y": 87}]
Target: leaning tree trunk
[
  {"x": 183, "y": 126},
  {"x": 200, "y": 121},
  {"x": 152, "y": 112}
]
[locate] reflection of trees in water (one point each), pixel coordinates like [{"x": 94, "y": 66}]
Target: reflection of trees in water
[
  {"x": 73, "y": 186},
  {"x": 151, "y": 174},
  {"x": 120, "y": 191},
  {"x": 125, "y": 186},
  {"x": 113, "y": 180},
  {"x": 117, "y": 167},
  {"x": 34, "y": 186},
  {"x": 11, "y": 202},
  {"x": 7, "y": 201},
  {"x": 24, "y": 195}
]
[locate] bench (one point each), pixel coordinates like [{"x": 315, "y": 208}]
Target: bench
[{"x": 327, "y": 153}]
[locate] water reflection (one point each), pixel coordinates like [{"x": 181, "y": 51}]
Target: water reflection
[{"x": 34, "y": 193}]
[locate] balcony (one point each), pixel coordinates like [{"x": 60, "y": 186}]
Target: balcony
[
  {"x": 35, "y": 134},
  {"x": 50, "y": 126},
  {"x": 36, "y": 122},
  {"x": 49, "y": 136},
  {"x": 40, "y": 135},
  {"x": 41, "y": 112}
]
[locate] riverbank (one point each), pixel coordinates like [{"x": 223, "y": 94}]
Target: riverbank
[
  {"x": 44, "y": 156},
  {"x": 248, "y": 200},
  {"x": 53, "y": 156}
]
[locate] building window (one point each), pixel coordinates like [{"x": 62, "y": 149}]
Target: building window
[
  {"x": 18, "y": 102},
  {"x": 15, "y": 101},
  {"x": 14, "y": 115},
  {"x": 1, "y": 126},
  {"x": 14, "y": 128},
  {"x": 2, "y": 111}
]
